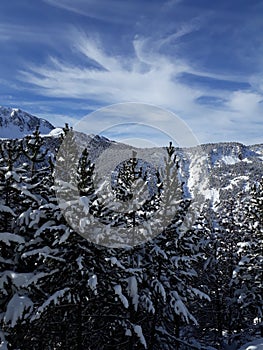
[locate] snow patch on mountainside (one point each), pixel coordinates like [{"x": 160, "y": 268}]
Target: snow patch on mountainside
[
  {"x": 198, "y": 177},
  {"x": 212, "y": 194},
  {"x": 230, "y": 159}
]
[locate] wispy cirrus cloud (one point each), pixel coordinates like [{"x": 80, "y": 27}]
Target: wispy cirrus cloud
[
  {"x": 116, "y": 11},
  {"x": 147, "y": 75},
  {"x": 202, "y": 60}
]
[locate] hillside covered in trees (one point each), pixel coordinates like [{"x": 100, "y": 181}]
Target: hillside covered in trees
[{"x": 195, "y": 285}]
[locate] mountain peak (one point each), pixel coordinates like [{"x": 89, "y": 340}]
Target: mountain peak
[{"x": 15, "y": 123}]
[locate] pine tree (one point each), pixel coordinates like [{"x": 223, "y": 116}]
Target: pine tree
[
  {"x": 221, "y": 233},
  {"x": 75, "y": 294},
  {"x": 11, "y": 177},
  {"x": 141, "y": 292},
  {"x": 248, "y": 275},
  {"x": 15, "y": 304},
  {"x": 225, "y": 248}
]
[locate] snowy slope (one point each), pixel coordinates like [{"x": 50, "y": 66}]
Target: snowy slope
[
  {"x": 257, "y": 344},
  {"x": 208, "y": 171},
  {"x": 15, "y": 123}
]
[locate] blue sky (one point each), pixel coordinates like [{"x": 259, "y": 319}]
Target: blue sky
[{"x": 201, "y": 59}]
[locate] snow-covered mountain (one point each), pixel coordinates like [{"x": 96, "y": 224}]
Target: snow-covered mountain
[
  {"x": 210, "y": 171},
  {"x": 15, "y": 123},
  {"x": 221, "y": 170},
  {"x": 35, "y": 240},
  {"x": 206, "y": 169}
]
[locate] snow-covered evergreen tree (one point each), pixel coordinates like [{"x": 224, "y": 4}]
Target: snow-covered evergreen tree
[
  {"x": 221, "y": 233},
  {"x": 15, "y": 199},
  {"x": 141, "y": 294},
  {"x": 62, "y": 290},
  {"x": 248, "y": 274}
]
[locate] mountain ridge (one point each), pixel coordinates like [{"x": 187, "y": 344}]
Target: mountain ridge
[
  {"x": 16, "y": 123},
  {"x": 212, "y": 170}
]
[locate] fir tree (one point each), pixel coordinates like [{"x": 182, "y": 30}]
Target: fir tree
[{"x": 248, "y": 276}]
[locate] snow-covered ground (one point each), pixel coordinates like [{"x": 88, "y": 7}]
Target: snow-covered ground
[{"x": 256, "y": 344}]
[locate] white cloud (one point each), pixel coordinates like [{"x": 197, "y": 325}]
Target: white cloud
[
  {"x": 148, "y": 77},
  {"x": 34, "y": 34},
  {"x": 117, "y": 11},
  {"x": 246, "y": 102}
]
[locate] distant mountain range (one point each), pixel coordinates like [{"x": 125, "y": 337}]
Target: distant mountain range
[
  {"x": 15, "y": 123},
  {"x": 210, "y": 171}
]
